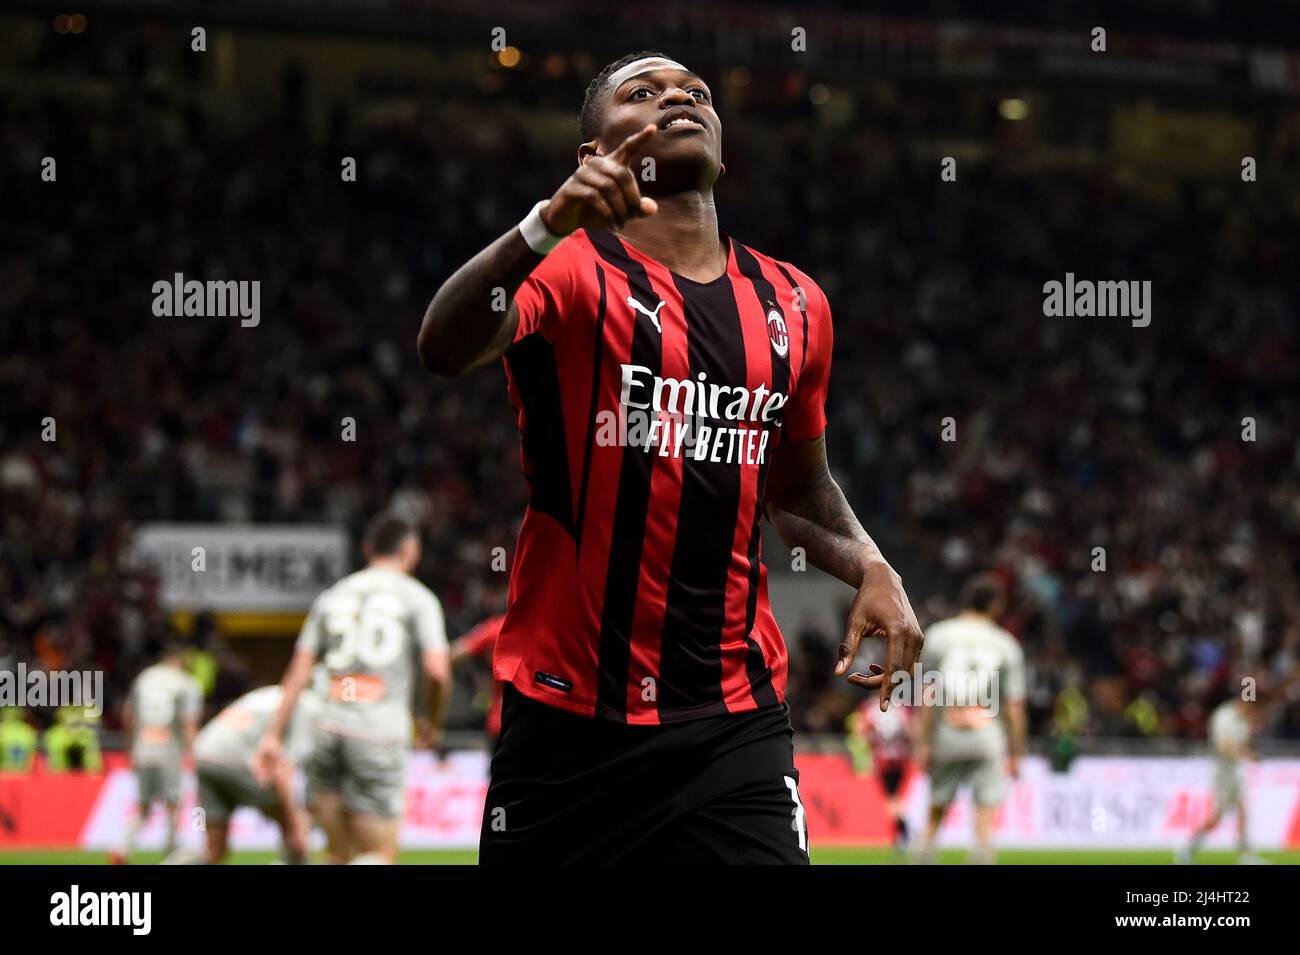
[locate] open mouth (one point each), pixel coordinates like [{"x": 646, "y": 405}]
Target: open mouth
[{"x": 680, "y": 120}]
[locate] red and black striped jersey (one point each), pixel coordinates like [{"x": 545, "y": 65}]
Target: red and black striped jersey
[{"x": 649, "y": 406}]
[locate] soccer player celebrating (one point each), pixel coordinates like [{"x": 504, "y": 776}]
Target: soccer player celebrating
[
  {"x": 1230, "y": 733},
  {"x": 960, "y": 740},
  {"x": 368, "y": 630},
  {"x": 669, "y": 386},
  {"x": 162, "y": 718}
]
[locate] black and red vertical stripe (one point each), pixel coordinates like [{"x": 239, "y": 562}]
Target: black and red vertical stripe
[{"x": 638, "y": 592}]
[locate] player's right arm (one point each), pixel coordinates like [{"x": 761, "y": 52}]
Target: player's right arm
[
  {"x": 270, "y": 751},
  {"x": 460, "y": 330}
]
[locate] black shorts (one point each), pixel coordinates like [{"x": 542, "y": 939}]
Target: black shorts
[
  {"x": 572, "y": 789},
  {"x": 891, "y": 777}
]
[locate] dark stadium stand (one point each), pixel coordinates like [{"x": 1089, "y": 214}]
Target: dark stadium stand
[{"x": 1072, "y": 434}]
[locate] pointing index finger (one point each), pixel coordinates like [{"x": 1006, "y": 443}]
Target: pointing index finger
[{"x": 623, "y": 154}]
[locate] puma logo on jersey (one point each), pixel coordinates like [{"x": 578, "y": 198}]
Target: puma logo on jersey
[{"x": 653, "y": 316}]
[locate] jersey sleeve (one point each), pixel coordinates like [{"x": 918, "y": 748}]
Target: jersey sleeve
[
  {"x": 311, "y": 637},
  {"x": 548, "y": 295},
  {"x": 430, "y": 626},
  {"x": 805, "y": 416}
]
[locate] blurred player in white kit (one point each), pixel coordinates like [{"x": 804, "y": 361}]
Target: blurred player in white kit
[
  {"x": 1230, "y": 730},
  {"x": 374, "y": 631},
  {"x": 967, "y": 744},
  {"x": 223, "y": 755},
  {"x": 162, "y": 718}
]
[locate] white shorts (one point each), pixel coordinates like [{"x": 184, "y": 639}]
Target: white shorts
[
  {"x": 158, "y": 781},
  {"x": 369, "y": 777},
  {"x": 1227, "y": 788},
  {"x": 985, "y": 776}
]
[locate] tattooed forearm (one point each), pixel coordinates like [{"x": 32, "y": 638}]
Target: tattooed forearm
[
  {"x": 817, "y": 518},
  {"x": 461, "y": 328}
]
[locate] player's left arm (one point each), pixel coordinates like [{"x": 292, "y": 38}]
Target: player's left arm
[
  {"x": 1017, "y": 722},
  {"x": 1013, "y": 688},
  {"x": 435, "y": 660},
  {"x": 808, "y": 510},
  {"x": 437, "y": 672}
]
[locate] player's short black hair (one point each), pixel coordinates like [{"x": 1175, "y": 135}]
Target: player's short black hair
[
  {"x": 589, "y": 117},
  {"x": 384, "y": 535},
  {"x": 982, "y": 593}
]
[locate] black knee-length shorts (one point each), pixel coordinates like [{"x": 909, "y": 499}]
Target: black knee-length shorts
[{"x": 568, "y": 789}]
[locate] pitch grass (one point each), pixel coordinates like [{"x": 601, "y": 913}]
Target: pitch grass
[{"x": 827, "y": 856}]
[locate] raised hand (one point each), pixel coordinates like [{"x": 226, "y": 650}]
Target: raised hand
[
  {"x": 881, "y": 609},
  {"x": 602, "y": 193}
]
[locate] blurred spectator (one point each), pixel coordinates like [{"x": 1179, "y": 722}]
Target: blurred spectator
[
  {"x": 72, "y": 743},
  {"x": 17, "y": 741}
]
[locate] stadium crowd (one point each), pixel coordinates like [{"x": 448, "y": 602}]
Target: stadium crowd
[{"x": 1068, "y": 434}]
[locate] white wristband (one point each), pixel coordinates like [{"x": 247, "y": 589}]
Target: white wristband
[{"x": 536, "y": 234}]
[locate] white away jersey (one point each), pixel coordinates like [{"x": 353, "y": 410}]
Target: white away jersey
[
  {"x": 232, "y": 736},
  {"x": 161, "y": 697},
  {"x": 978, "y": 664},
  {"x": 1228, "y": 729},
  {"x": 369, "y": 630}
]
